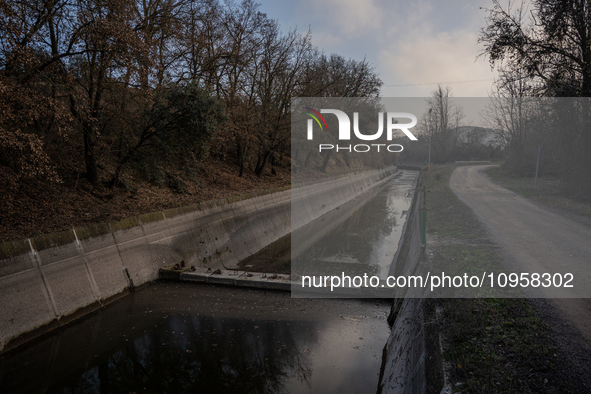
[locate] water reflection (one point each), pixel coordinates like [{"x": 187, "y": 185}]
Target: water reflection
[
  {"x": 205, "y": 339},
  {"x": 202, "y": 353},
  {"x": 366, "y": 238}
]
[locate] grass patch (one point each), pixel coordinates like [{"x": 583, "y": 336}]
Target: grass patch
[
  {"x": 491, "y": 345},
  {"x": 499, "y": 346},
  {"x": 447, "y": 216},
  {"x": 549, "y": 191}
]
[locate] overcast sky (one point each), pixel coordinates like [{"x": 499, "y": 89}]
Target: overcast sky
[{"x": 410, "y": 43}]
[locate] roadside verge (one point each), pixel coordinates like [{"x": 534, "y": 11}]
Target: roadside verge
[{"x": 489, "y": 345}]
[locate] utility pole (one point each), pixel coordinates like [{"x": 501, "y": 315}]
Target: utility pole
[
  {"x": 424, "y": 224},
  {"x": 430, "y": 109},
  {"x": 429, "y": 153}
]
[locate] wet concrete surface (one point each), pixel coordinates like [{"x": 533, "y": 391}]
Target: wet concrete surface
[
  {"x": 177, "y": 338},
  {"x": 360, "y": 237}
]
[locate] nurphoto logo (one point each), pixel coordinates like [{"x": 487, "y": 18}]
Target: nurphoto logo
[{"x": 345, "y": 130}]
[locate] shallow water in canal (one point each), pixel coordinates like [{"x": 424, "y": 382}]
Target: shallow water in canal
[
  {"x": 177, "y": 338},
  {"x": 360, "y": 237}
]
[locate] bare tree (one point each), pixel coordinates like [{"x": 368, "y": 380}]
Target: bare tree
[
  {"x": 441, "y": 123},
  {"x": 551, "y": 47},
  {"x": 97, "y": 67},
  {"x": 510, "y": 114},
  {"x": 548, "y": 47},
  {"x": 276, "y": 76}
]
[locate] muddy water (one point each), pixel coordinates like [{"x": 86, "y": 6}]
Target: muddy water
[{"x": 177, "y": 338}]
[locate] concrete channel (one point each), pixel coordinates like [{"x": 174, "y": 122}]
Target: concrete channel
[{"x": 49, "y": 281}]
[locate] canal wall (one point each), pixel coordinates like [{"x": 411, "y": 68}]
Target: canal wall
[
  {"x": 411, "y": 362},
  {"x": 50, "y": 280}
]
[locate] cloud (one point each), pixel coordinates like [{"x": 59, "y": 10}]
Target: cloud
[
  {"x": 345, "y": 18},
  {"x": 408, "y": 42},
  {"x": 442, "y": 57},
  {"x": 324, "y": 39}
]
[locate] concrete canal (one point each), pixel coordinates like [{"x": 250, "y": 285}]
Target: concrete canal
[
  {"x": 180, "y": 337},
  {"x": 360, "y": 237}
]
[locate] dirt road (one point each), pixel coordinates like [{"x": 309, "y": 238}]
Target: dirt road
[{"x": 534, "y": 239}]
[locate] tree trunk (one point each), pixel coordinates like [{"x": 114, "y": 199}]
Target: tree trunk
[
  {"x": 242, "y": 150},
  {"x": 241, "y": 169},
  {"x": 89, "y": 157},
  {"x": 261, "y": 162},
  {"x": 326, "y": 160}
]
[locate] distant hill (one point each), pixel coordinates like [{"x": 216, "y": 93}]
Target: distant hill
[{"x": 478, "y": 135}]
